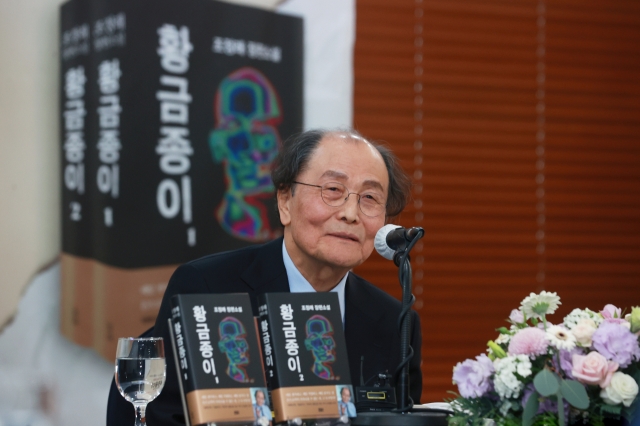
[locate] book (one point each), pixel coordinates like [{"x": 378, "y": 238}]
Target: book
[
  {"x": 305, "y": 355},
  {"x": 76, "y": 114},
  {"x": 218, "y": 353},
  {"x": 186, "y": 105}
]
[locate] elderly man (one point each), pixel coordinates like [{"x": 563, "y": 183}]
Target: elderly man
[
  {"x": 260, "y": 409},
  {"x": 335, "y": 190},
  {"x": 345, "y": 406}
]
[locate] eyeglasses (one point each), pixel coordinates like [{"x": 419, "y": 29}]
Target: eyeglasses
[{"x": 335, "y": 194}]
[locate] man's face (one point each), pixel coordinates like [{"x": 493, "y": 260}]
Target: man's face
[
  {"x": 259, "y": 398},
  {"x": 346, "y": 395},
  {"x": 318, "y": 235}
]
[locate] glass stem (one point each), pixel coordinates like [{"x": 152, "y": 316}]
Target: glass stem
[{"x": 140, "y": 410}]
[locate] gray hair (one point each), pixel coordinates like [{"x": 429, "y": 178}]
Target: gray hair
[{"x": 297, "y": 150}]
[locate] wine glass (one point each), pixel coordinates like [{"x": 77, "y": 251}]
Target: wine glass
[{"x": 140, "y": 372}]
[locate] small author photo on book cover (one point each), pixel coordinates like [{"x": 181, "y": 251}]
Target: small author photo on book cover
[
  {"x": 261, "y": 410},
  {"x": 345, "y": 406}
]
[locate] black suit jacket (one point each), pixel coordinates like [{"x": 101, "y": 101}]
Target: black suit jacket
[{"x": 370, "y": 322}]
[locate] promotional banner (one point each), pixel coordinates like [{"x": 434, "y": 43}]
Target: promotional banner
[{"x": 172, "y": 113}]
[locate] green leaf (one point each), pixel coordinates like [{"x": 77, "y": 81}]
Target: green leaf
[
  {"x": 596, "y": 419},
  {"x": 560, "y": 409},
  {"x": 629, "y": 413},
  {"x": 575, "y": 394},
  {"x": 496, "y": 349},
  {"x": 611, "y": 409},
  {"x": 503, "y": 330},
  {"x": 634, "y": 372},
  {"x": 546, "y": 419},
  {"x": 530, "y": 409},
  {"x": 546, "y": 383}
]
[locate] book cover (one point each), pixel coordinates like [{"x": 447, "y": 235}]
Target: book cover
[
  {"x": 190, "y": 102},
  {"x": 305, "y": 354},
  {"x": 219, "y": 357}
]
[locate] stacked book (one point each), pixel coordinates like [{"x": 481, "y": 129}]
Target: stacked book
[
  {"x": 171, "y": 114},
  {"x": 289, "y": 364}
]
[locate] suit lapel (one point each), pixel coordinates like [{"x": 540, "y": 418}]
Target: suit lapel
[
  {"x": 362, "y": 330},
  {"x": 266, "y": 274},
  {"x": 360, "y": 315}
]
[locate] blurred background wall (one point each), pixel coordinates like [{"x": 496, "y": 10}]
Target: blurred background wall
[{"x": 29, "y": 215}]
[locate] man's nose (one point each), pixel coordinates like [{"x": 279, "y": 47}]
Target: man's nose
[{"x": 351, "y": 207}]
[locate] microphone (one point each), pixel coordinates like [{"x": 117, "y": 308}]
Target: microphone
[{"x": 390, "y": 238}]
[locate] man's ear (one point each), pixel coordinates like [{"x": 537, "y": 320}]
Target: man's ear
[{"x": 284, "y": 203}]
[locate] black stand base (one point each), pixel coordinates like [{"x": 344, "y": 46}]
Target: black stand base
[{"x": 415, "y": 418}]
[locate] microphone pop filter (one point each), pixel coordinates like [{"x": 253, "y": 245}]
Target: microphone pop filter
[{"x": 380, "y": 243}]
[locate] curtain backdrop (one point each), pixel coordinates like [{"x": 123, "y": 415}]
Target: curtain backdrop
[{"x": 519, "y": 124}]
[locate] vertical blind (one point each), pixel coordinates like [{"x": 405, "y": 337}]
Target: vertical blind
[{"x": 519, "y": 124}]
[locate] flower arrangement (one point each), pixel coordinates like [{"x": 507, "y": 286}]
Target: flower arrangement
[{"x": 585, "y": 370}]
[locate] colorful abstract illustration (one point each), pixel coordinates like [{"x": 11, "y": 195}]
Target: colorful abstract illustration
[
  {"x": 322, "y": 346},
  {"x": 246, "y": 141},
  {"x": 233, "y": 344}
]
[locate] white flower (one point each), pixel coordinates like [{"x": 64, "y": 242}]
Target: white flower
[
  {"x": 504, "y": 390},
  {"x": 561, "y": 338},
  {"x": 506, "y": 383},
  {"x": 539, "y": 305},
  {"x": 583, "y": 331},
  {"x": 505, "y": 407},
  {"x": 622, "y": 389},
  {"x": 524, "y": 369},
  {"x": 503, "y": 339},
  {"x": 577, "y": 315}
]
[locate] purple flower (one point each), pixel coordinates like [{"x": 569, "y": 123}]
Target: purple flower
[
  {"x": 547, "y": 405},
  {"x": 615, "y": 342},
  {"x": 516, "y": 316},
  {"x": 566, "y": 361},
  {"x": 541, "y": 325},
  {"x": 473, "y": 377}
]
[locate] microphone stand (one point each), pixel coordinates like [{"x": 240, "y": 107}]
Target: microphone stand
[
  {"x": 403, "y": 262},
  {"x": 404, "y": 413}
]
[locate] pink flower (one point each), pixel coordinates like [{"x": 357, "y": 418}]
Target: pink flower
[
  {"x": 528, "y": 341},
  {"x": 593, "y": 369},
  {"x": 612, "y": 314},
  {"x": 610, "y": 311}
]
